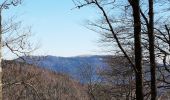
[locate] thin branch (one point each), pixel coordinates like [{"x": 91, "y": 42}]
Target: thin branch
[{"x": 115, "y": 36}]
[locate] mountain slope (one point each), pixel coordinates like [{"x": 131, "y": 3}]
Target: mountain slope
[
  {"x": 27, "y": 82},
  {"x": 67, "y": 65}
]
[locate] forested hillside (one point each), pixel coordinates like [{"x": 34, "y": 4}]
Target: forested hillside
[
  {"x": 68, "y": 65},
  {"x": 27, "y": 82}
]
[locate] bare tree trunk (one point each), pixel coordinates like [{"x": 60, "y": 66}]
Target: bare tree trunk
[
  {"x": 0, "y": 56},
  {"x": 151, "y": 51},
  {"x": 138, "y": 49}
]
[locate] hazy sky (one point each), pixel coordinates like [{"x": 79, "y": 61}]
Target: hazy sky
[{"x": 59, "y": 29}]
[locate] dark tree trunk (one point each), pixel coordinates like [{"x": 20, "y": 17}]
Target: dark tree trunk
[
  {"x": 151, "y": 51},
  {"x": 0, "y": 56},
  {"x": 138, "y": 49}
]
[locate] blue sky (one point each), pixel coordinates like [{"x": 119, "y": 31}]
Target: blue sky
[{"x": 59, "y": 29}]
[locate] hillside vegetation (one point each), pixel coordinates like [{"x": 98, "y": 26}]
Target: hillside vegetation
[{"x": 27, "y": 82}]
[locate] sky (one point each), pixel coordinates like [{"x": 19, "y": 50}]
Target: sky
[{"x": 57, "y": 28}]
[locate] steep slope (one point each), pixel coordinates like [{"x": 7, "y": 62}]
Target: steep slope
[{"x": 27, "y": 82}]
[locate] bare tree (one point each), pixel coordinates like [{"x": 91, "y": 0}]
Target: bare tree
[
  {"x": 151, "y": 36},
  {"x": 137, "y": 38},
  {"x": 120, "y": 78},
  {"x": 88, "y": 75},
  {"x": 13, "y": 36},
  {"x": 4, "y": 5},
  {"x": 141, "y": 14}
]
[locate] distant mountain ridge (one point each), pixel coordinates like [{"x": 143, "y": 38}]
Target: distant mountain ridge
[{"x": 67, "y": 65}]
